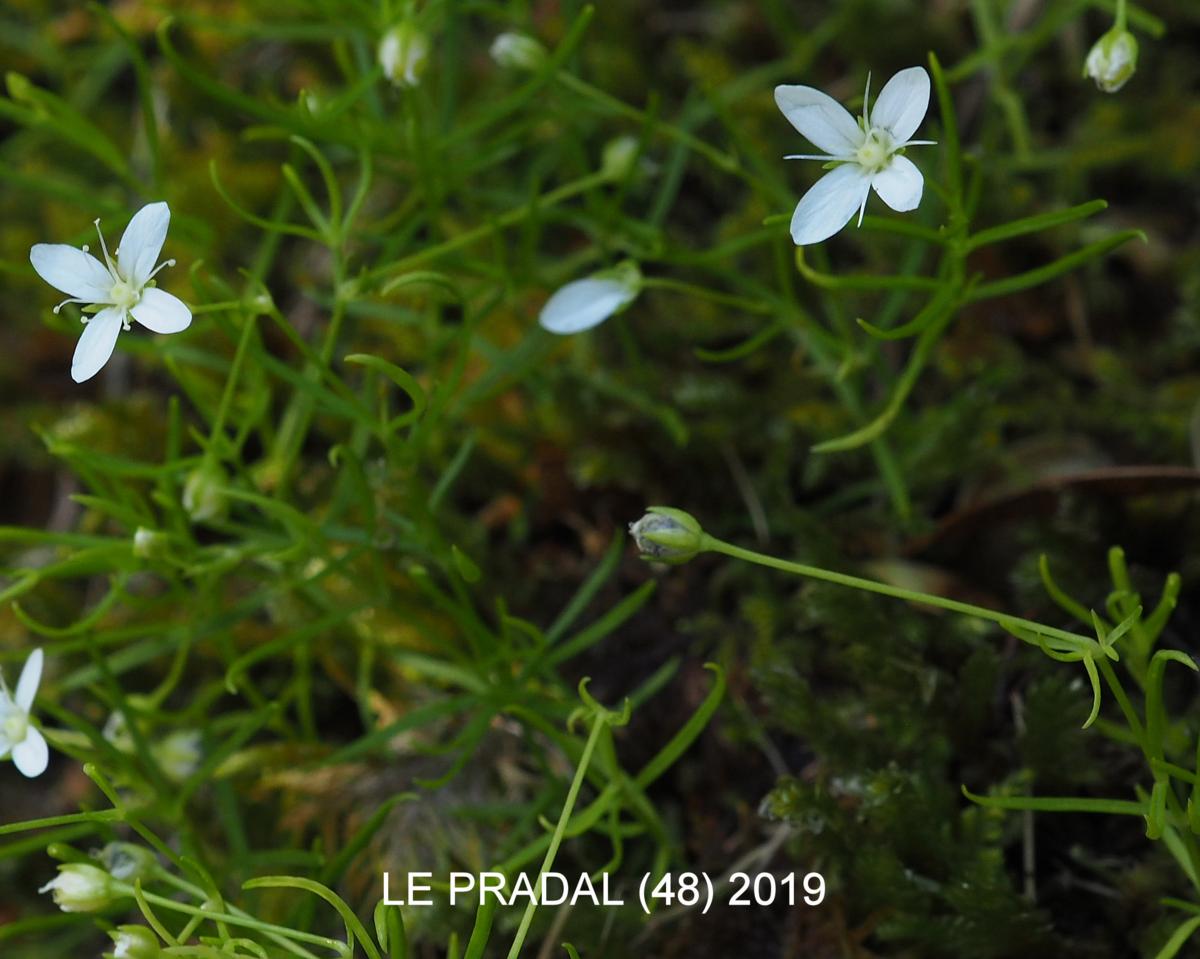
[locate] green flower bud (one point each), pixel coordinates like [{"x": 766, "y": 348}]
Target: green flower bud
[
  {"x": 618, "y": 157},
  {"x": 403, "y": 53},
  {"x": 203, "y": 493},
  {"x": 1112, "y": 60},
  {"x": 79, "y": 887},
  {"x": 667, "y": 535},
  {"x": 125, "y": 861},
  {"x": 516, "y": 51},
  {"x": 149, "y": 543},
  {"x": 134, "y": 942},
  {"x": 178, "y": 755}
]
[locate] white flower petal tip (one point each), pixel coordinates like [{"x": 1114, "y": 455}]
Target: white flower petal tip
[
  {"x": 900, "y": 186},
  {"x": 829, "y": 204},
  {"x": 31, "y": 756},
  {"x": 161, "y": 312},
  {"x": 866, "y": 153},
  {"x": 20, "y": 740},
  {"x": 820, "y": 119},
  {"x": 902, "y": 103},
  {"x": 142, "y": 241},
  {"x": 583, "y": 304},
  {"x": 31, "y": 678},
  {"x": 119, "y": 285},
  {"x": 96, "y": 344}
]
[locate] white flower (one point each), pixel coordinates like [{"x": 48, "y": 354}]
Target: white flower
[
  {"x": 1112, "y": 60},
  {"x": 582, "y": 304},
  {"x": 402, "y": 54},
  {"x": 17, "y": 735},
  {"x": 79, "y": 887},
  {"x": 516, "y": 51},
  {"x": 120, "y": 287},
  {"x": 865, "y": 153}
]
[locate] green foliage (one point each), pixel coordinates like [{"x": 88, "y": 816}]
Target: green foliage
[{"x": 318, "y": 579}]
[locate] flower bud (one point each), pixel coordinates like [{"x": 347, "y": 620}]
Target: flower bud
[
  {"x": 149, "y": 543},
  {"x": 79, "y": 887},
  {"x": 134, "y": 942},
  {"x": 403, "y": 52},
  {"x": 178, "y": 755},
  {"x": 516, "y": 51},
  {"x": 618, "y": 157},
  {"x": 203, "y": 493},
  {"x": 125, "y": 861},
  {"x": 582, "y": 304},
  {"x": 1112, "y": 60},
  {"x": 667, "y": 535}
]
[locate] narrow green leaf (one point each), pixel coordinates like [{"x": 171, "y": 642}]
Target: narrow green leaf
[{"x": 1034, "y": 224}]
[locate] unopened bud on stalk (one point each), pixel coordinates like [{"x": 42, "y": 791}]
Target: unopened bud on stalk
[
  {"x": 403, "y": 52},
  {"x": 179, "y": 754},
  {"x": 126, "y": 862},
  {"x": 134, "y": 942},
  {"x": 666, "y": 535},
  {"x": 79, "y": 887},
  {"x": 516, "y": 51},
  {"x": 203, "y": 493},
  {"x": 1112, "y": 60},
  {"x": 149, "y": 543},
  {"x": 618, "y": 157}
]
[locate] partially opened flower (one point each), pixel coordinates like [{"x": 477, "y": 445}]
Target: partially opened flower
[
  {"x": 119, "y": 288},
  {"x": 582, "y": 304},
  {"x": 18, "y": 737},
  {"x": 863, "y": 153}
]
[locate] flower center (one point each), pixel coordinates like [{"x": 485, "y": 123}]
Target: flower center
[
  {"x": 875, "y": 152},
  {"x": 123, "y": 294},
  {"x": 15, "y": 726}
]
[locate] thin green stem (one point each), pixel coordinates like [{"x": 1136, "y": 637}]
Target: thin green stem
[
  {"x": 501, "y": 222},
  {"x": 721, "y": 160},
  {"x": 598, "y": 726},
  {"x": 715, "y": 296},
  {"x": 1014, "y": 624}
]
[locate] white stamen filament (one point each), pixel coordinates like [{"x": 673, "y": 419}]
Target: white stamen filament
[
  {"x": 159, "y": 267},
  {"x": 69, "y": 300},
  {"x": 107, "y": 259}
]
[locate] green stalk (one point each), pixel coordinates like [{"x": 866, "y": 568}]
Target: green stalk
[
  {"x": 598, "y": 725},
  {"x": 1014, "y": 624}
]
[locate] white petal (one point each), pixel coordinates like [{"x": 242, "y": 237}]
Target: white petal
[
  {"x": 900, "y": 185},
  {"x": 902, "y": 103},
  {"x": 161, "y": 312},
  {"x": 829, "y": 204},
  {"x": 76, "y": 273},
  {"x": 821, "y": 119},
  {"x": 96, "y": 344},
  {"x": 583, "y": 304},
  {"x": 142, "y": 242},
  {"x": 31, "y": 755},
  {"x": 31, "y": 675}
]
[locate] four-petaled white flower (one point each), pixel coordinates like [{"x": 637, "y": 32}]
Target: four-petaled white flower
[
  {"x": 17, "y": 734},
  {"x": 119, "y": 287},
  {"x": 865, "y": 153}
]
